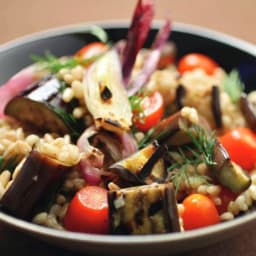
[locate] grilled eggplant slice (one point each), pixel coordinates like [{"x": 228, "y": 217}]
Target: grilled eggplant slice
[
  {"x": 37, "y": 177},
  {"x": 171, "y": 130},
  {"x": 148, "y": 209},
  {"x": 41, "y": 107},
  {"x": 248, "y": 110},
  {"x": 227, "y": 172},
  {"x": 143, "y": 167}
]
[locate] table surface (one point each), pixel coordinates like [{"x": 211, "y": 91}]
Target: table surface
[{"x": 19, "y": 18}]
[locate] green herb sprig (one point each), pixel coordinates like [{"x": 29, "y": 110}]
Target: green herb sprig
[
  {"x": 233, "y": 85},
  {"x": 200, "y": 151},
  {"x": 52, "y": 63}
]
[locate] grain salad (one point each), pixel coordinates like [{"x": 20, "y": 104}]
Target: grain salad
[{"x": 116, "y": 138}]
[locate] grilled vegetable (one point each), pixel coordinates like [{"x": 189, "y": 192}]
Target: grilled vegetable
[
  {"x": 249, "y": 111},
  {"x": 180, "y": 93},
  {"x": 152, "y": 60},
  {"x": 216, "y": 110},
  {"x": 143, "y": 167},
  {"x": 17, "y": 83},
  {"x": 105, "y": 95},
  {"x": 38, "y": 176},
  {"x": 227, "y": 172},
  {"x": 41, "y": 107},
  {"x": 137, "y": 35},
  {"x": 145, "y": 209},
  {"x": 172, "y": 130}
]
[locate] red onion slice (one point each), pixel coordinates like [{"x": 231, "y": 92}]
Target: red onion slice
[
  {"x": 152, "y": 60},
  {"x": 16, "y": 84},
  {"x": 93, "y": 158},
  {"x": 137, "y": 35}
]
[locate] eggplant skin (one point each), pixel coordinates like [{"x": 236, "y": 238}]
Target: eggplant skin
[
  {"x": 143, "y": 167},
  {"x": 227, "y": 172},
  {"x": 42, "y": 108},
  {"x": 148, "y": 209},
  {"x": 38, "y": 176}
]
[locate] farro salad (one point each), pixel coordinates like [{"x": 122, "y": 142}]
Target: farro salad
[{"x": 120, "y": 139}]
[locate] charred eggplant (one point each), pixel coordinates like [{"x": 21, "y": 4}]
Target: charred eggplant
[
  {"x": 248, "y": 110},
  {"x": 143, "y": 167},
  {"x": 38, "y": 176},
  {"x": 41, "y": 107},
  {"x": 227, "y": 172},
  {"x": 172, "y": 130},
  {"x": 148, "y": 209}
]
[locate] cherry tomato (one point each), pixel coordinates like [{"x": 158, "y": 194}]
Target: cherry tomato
[
  {"x": 226, "y": 195},
  {"x": 199, "y": 211},
  {"x": 240, "y": 143},
  {"x": 88, "y": 211},
  {"x": 91, "y": 49},
  {"x": 193, "y": 61},
  {"x": 152, "y": 112}
]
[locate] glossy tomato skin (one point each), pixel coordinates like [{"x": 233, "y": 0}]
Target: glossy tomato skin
[
  {"x": 91, "y": 49},
  {"x": 193, "y": 61},
  {"x": 240, "y": 143},
  {"x": 88, "y": 211},
  {"x": 199, "y": 211},
  {"x": 153, "y": 110}
]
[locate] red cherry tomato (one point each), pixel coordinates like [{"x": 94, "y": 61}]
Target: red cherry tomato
[
  {"x": 226, "y": 196},
  {"x": 240, "y": 143},
  {"x": 90, "y": 50},
  {"x": 199, "y": 211},
  {"x": 88, "y": 211},
  {"x": 193, "y": 61},
  {"x": 152, "y": 112}
]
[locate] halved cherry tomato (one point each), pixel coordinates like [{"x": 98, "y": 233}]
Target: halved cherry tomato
[
  {"x": 226, "y": 195},
  {"x": 88, "y": 211},
  {"x": 199, "y": 211},
  {"x": 152, "y": 112},
  {"x": 193, "y": 61},
  {"x": 91, "y": 49},
  {"x": 240, "y": 143}
]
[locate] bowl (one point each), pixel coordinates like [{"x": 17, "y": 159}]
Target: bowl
[{"x": 228, "y": 51}]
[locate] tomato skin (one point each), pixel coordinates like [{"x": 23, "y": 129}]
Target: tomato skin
[
  {"x": 153, "y": 110},
  {"x": 240, "y": 144},
  {"x": 199, "y": 211},
  {"x": 193, "y": 61},
  {"x": 91, "y": 49},
  {"x": 226, "y": 196},
  {"x": 88, "y": 211}
]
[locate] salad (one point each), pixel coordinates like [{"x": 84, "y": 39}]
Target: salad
[{"x": 121, "y": 139}]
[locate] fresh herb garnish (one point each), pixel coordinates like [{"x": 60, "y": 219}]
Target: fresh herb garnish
[
  {"x": 204, "y": 143},
  {"x": 146, "y": 139},
  {"x": 1, "y": 162},
  {"x": 72, "y": 123},
  {"x": 233, "y": 85},
  {"x": 200, "y": 151},
  {"x": 53, "y": 63},
  {"x": 136, "y": 100},
  {"x": 99, "y": 32},
  {"x": 9, "y": 164},
  {"x": 136, "y": 106}
]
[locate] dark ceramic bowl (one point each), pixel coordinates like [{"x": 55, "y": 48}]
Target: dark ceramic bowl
[{"x": 228, "y": 51}]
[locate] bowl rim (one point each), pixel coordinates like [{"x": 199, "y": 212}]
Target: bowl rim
[
  {"x": 212, "y": 34},
  {"x": 135, "y": 239}
]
